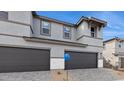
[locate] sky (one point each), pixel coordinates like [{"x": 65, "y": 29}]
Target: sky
[{"x": 115, "y": 20}]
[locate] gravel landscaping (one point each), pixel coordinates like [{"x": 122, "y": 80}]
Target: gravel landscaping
[{"x": 99, "y": 74}]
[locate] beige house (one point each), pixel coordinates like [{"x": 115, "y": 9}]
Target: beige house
[
  {"x": 31, "y": 42},
  {"x": 114, "y": 52}
]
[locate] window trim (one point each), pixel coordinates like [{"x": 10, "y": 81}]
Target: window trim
[
  {"x": 95, "y": 31},
  {"x": 64, "y": 32},
  {"x": 41, "y": 28}
]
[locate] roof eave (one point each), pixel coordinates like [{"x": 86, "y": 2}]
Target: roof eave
[
  {"x": 81, "y": 19},
  {"x": 104, "y": 23},
  {"x": 34, "y": 13},
  {"x": 52, "y": 19},
  {"x": 99, "y": 21},
  {"x": 53, "y": 41},
  {"x": 106, "y": 41}
]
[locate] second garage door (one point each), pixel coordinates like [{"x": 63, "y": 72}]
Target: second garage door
[
  {"x": 23, "y": 59},
  {"x": 80, "y": 60}
]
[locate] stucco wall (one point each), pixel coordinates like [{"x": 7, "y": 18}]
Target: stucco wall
[
  {"x": 108, "y": 53},
  {"x": 83, "y": 29},
  {"x": 100, "y": 32},
  {"x": 20, "y": 41},
  {"x": 91, "y": 41},
  {"x": 20, "y": 16},
  {"x": 56, "y": 31},
  {"x": 19, "y": 23},
  {"x": 117, "y": 48},
  {"x": 112, "y": 48},
  {"x": 10, "y": 28}
]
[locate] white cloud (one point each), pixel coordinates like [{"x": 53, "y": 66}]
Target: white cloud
[{"x": 113, "y": 19}]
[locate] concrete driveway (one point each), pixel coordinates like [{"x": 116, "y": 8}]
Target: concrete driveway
[{"x": 99, "y": 74}]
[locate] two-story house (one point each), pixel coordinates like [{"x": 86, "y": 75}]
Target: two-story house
[
  {"x": 30, "y": 42},
  {"x": 114, "y": 52}
]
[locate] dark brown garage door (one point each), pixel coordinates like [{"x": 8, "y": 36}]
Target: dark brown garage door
[
  {"x": 23, "y": 59},
  {"x": 80, "y": 60}
]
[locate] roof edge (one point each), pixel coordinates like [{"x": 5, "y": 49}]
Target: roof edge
[
  {"x": 102, "y": 22},
  {"x": 53, "y": 41},
  {"x": 52, "y": 19},
  {"x": 115, "y": 38}
]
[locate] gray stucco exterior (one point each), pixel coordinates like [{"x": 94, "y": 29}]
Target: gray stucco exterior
[
  {"x": 22, "y": 25},
  {"x": 113, "y": 52}
]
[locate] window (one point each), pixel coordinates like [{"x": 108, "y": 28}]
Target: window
[
  {"x": 45, "y": 30},
  {"x": 104, "y": 46},
  {"x": 3, "y": 15},
  {"x": 93, "y": 32},
  {"x": 119, "y": 45},
  {"x": 67, "y": 32}
]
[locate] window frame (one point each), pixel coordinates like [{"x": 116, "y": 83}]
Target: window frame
[
  {"x": 41, "y": 27},
  {"x": 95, "y": 32},
  {"x": 67, "y": 32}
]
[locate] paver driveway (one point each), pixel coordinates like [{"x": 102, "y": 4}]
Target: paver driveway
[
  {"x": 26, "y": 76},
  {"x": 99, "y": 74},
  {"x": 77, "y": 74}
]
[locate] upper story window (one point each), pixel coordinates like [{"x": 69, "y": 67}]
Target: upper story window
[
  {"x": 3, "y": 15},
  {"x": 104, "y": 46},
  {"x": 93, "y": 32},
  {"x": 119, "y": 45},
  {"x": 45, "y": 28},
  {"x": 67, "y": 32}
]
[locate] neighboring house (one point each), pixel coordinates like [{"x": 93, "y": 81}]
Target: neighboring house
[
  {"x": 114, "y": 52},
  {"x": 31, "y": 42}
]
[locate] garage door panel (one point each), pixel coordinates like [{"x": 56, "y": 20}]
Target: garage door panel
[
  {"x": 23, "y": 62},
  {"x": 21, "y": 68},
  {"x": 77, "y": 67},
  {"x": 79, "y": 60},
  {"x": 23, "y": 59}
]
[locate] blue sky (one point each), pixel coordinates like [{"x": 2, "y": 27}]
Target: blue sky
[{"x": 115, "y": 26}]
